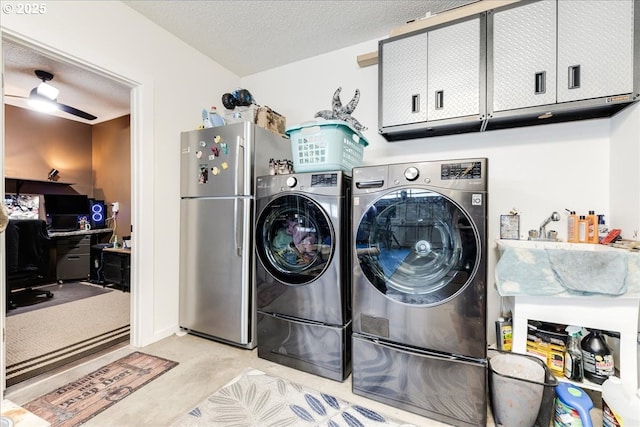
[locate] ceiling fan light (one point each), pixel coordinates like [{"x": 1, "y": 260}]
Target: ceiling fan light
[
  {"x": 48, "y": 91},
  {"x": 43, "y": 105}
]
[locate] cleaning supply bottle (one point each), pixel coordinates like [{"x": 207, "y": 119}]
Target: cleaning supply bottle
[
  {"x": 572, "y": 406},
  {"x": 597, "y": 357},
  {"x": 583, "y": 229},
  {"x": 603, "y": 230},
  {"x": 504, "y": 334},
  {"x": 619, "y": 409},
  {"x": 592, "y": 230},
  {"x": 573, "y": 355},
  {"x": 572, "y": 227}
]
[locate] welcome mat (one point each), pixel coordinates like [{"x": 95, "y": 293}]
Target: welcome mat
[
  {"x": 77, "y": 401},
  {"x": 257, "y": 399}
]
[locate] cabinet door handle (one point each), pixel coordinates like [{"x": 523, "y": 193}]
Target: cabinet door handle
[
  {"x": 540, "y": 82},
  {"x": 439, "y": 99},
  {"x": 574, "y": 76},
  {"x": 415, "y": 103}
]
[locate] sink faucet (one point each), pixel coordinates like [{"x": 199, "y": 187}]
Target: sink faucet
[{"x": 543, "y": 233}]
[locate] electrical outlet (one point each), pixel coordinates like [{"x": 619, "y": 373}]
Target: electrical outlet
[{"x": 115, "y": 207}]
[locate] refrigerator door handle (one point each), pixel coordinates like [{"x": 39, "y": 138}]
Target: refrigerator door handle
[
  {"x": 239, "y": 177},
  {"x": 237, "y": 224}
]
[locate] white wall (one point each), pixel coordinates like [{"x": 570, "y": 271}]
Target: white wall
[
  {"x": 625, "y": 173},
  {"x": 175, "y": 82},
  {"x": 536, "y": 170}
]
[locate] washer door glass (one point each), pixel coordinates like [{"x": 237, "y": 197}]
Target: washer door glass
[
  {"x": 417, "y": 246},
  {"x": 294, "y": 239}
]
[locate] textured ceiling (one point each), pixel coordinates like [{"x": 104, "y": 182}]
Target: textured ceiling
[
  {"x": 79, "y": 87},
  {"x": 244, "y": 36},
  {"x": 250, "y": 36}
]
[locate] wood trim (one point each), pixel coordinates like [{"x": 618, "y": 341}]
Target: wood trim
[{"x": 480, "y": 6}]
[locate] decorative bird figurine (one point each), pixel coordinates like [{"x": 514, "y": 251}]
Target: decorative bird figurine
[{"x": 339, "y": 112}]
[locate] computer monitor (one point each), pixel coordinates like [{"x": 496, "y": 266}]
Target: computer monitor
[{"x": 64, "y": 210}]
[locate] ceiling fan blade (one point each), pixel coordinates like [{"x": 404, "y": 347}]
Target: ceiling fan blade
[
  {"x": 76, "y": 112},
  {"x": 6, "y": 95}
]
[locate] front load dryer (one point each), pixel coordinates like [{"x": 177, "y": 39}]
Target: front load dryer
[
  {"x": 302, "y": 272},
  {"x": 419, "y": 287}
]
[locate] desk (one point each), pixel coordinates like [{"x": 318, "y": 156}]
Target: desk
[
  {"x": 116, "y": 264},
  {"x": 72, "y": 252}
]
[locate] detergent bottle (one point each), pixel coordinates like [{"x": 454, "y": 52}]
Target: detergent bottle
[
  {"x": 597, "y": 357},
  {"x": 572, "y": 407},
  {"x": 619, "y": 409}
]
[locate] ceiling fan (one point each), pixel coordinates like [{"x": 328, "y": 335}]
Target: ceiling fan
[{"x": 44, "y": 97}]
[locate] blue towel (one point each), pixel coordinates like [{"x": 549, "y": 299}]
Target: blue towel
[
  {"x": 538, "y": 272},
  {"x": 526, "y": 272},
  {"x": 590, "y": 272}
]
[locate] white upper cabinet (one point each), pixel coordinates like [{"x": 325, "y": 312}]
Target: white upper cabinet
[
  {"x": 453, "y": 71},
  {"x": 433, "y": 80},
  {"x": 403, "y": 81},
  {"x": 595, "y": 49},
  {"x": 549, "y": 52},
  {"x": 524, "y": 56}
]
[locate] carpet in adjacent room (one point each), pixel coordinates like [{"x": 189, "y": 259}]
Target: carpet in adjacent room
[{"x": 40, "y": 340}]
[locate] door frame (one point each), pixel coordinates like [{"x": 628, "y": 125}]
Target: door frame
[{"x": 142, "y": 194}]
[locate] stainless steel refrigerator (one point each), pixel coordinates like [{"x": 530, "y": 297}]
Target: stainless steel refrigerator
[{"x": 217, "y": 171}]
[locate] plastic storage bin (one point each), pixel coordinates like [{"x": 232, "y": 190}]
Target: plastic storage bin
[
  {"x": 522, "y": 390},
  {"x": 326, "y": 145}
]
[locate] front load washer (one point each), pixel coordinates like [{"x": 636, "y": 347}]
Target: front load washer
[
  {"x": 419, "y": 287},
  {"x": 303, "y": 273}
]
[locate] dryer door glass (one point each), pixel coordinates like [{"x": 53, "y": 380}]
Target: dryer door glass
[
  {"x": 417, "y": 246},
  {"x": 294, "y": 239}
]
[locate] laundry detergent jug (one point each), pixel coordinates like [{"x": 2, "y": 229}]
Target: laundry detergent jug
[{"x": 572, "y": 407}]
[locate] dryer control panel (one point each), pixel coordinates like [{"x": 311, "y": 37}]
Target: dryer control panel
[
  {"x": 466, "y": 170},
  {"x": 324, "y": 180}
]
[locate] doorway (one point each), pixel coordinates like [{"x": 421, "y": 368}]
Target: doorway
[{"x": 130, "y": 88}]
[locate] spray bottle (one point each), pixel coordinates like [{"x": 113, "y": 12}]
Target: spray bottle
[{"x": 573, "y": 355}]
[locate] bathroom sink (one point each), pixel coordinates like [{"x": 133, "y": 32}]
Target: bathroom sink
[{"x": 542, "y": 244}]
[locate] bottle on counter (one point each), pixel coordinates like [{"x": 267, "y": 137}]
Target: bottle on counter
[
  {"x": 592, "y": 230},
  {"x": 572, "y": 227},
  {"x": 597, "y": 357},
  {"x": 583, "y": 228},
  {"x": 573, "y": 355},
  {"x": 603, "y": 230}
]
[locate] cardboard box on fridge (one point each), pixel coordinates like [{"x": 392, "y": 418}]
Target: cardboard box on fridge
[{"x": 262, "y": 116}]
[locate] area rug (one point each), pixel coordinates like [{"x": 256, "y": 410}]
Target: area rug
[
  {"x": 260, "y": 400},
  {"x": 77, "y": 401}
]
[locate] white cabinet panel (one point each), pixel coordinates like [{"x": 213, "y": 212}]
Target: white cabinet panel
[
  {"x": 595, "y": 49},
  {"x": 454, "y": 71},
  {"x": 524, "y": 56},
  {"x": 403, "y": 80}
]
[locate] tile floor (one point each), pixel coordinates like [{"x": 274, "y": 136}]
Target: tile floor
[{"x": 204, "y": 366}]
